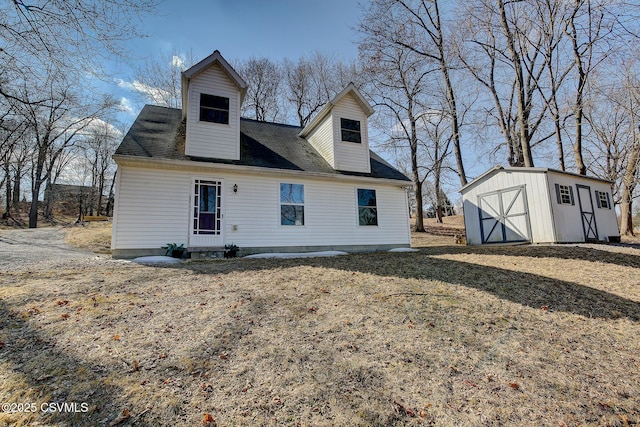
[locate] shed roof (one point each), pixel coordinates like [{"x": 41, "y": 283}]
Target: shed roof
[
  {"x": 159, "y": 133},
  {"x": 498, "y": 169}
]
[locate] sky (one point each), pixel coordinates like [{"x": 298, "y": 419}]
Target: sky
[{"x": 240, "y": 29}]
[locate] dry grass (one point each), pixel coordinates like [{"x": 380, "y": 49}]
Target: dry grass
[
  {"x": 452, "y": 335},
  {"x": 94, "y": 236}
]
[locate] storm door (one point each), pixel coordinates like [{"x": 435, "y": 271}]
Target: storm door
[{"x": 206, "y": 214}]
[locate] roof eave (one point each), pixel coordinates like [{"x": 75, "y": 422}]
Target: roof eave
[{"x": 191, "y": 165}]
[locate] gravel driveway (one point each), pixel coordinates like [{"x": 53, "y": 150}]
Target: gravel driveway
[{"x": 37, "y": 248}]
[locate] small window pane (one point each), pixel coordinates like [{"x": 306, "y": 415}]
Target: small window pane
[
  {"x": 367, "y": 198},
  {"x": 350, "y": 130},
  {"x": 291, "y": 215},
  {"x": 292, "y": 193}
]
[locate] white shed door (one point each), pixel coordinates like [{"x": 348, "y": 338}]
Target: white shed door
[{"x": 504, "y": 216}]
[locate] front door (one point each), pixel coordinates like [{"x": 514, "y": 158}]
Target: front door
[
  {"x": 206, "y": 214},
  {"x": 587, "y": 213}
]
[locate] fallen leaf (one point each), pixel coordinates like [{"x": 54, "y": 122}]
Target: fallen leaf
[
  {"x": 65, "y": 316},
  {"x": 124, "y": 416},
  {"x": 64, "y": 302},
  {"x": 514, "y": 386},
  {"x": 208, "y": 419},
  {"x": 224, "y": 357},
  {"x": 116, "y": 337}
]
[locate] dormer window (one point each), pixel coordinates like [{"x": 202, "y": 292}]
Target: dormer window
[
  {"x": 214, "y": 109},
  {"x": 350, "y": 130}
]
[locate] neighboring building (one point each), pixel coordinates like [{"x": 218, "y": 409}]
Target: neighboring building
[
  {"x": 537, "y": 205},
  {"x": 68, "y": 199},
  {"x": 204, "y": 177}
]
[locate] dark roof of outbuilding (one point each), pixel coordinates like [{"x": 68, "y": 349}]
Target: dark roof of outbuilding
[{"x": 158, "y": 132}]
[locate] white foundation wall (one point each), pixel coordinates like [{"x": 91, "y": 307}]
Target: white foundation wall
[{"x": 153, "y": 208}]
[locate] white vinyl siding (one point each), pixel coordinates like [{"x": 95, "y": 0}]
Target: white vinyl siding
[
  {"x": 152, "y": 208},
  {"x": 252, "y": 215},
  {"x": 351, "y": 156},
  {"x": 322, "y": 140},
  {"x": 207, "y": 139},
  {"x": 330, "y": 214}
]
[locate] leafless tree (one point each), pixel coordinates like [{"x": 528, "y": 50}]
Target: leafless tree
[
  {"x": 262, "y": 101},
  {"x": 158, "y": 80},
  {"x": 422, "y": 22},
  {"x": 55, "y": 124},
  {"x": 398, "y": 79},
  {"x": 311, "y": 82}
]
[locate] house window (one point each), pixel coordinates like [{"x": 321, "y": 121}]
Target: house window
[
  {"x": 291, "y": 204},
  {"x": 214, "y": 109},
  {"x": 564, "y": 194},
  {"x": 350, "y": 130},
  {"x": 367, "y": 207},
  {"x": 602, "y": 198}
]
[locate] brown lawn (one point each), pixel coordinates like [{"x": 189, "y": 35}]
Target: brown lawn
[{"x": 451, "y": 335}]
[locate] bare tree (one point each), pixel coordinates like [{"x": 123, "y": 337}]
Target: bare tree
[
  {"x": 313, "y": 81},
  {"x": 398, "y": 81},
  {"x": 263, "y": 77},
  {"x": 158, "y": 80},
  {"x": 55, "y": 125},
  {"x": 428, "y": 40}
]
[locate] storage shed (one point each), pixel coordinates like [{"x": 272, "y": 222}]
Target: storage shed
[{"x": 538, "y": 205}]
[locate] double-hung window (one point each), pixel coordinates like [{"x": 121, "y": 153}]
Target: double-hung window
[
  {"x": 350, "y": 130},
  {"x": 291, "y": 204},
  {"x": 214, "y": 109},
  {"x": 367, "y": 207}
]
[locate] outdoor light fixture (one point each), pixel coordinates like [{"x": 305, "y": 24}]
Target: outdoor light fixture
[{"x": 235, "y": 188}]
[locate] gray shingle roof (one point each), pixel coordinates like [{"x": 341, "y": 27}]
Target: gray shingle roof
[{"x": 158, "y": 132}]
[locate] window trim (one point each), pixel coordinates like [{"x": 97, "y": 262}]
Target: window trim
[
  {"x": 281, "y": 204},
  {"x": 357, "y": 133},
  {"x": 603, "y": 200},
  {"x": 358, "y": 207},
  {"x": 206, "y": 107},
  {"x": 569, "y": 194}
]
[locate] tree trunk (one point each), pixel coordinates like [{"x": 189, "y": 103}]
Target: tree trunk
[
  {"x": 629, "y": 181},
  {"x": 8, "y": 193}
]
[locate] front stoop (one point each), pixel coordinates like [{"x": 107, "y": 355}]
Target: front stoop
[{"x": 206, "y": 252}]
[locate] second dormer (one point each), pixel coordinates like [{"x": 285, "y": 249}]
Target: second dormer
[
  {"x": 340, "y": 131},
  {"x": 212, "y": 93}
]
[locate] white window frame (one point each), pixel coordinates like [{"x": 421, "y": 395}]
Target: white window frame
[
  {"x": 358, "y": 207},
  {"x": 281, "y": 204}
]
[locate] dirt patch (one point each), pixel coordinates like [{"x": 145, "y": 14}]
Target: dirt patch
[{"x": 451, "y": 335}]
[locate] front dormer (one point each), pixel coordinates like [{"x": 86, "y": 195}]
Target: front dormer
[
  {"x": 212, "y": 93},
  {"x": 340, "y": 131}
]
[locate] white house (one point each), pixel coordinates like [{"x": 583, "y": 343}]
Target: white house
[
  {"x": 205, "y": 177},
  {"x": 537, "y": 205}
]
